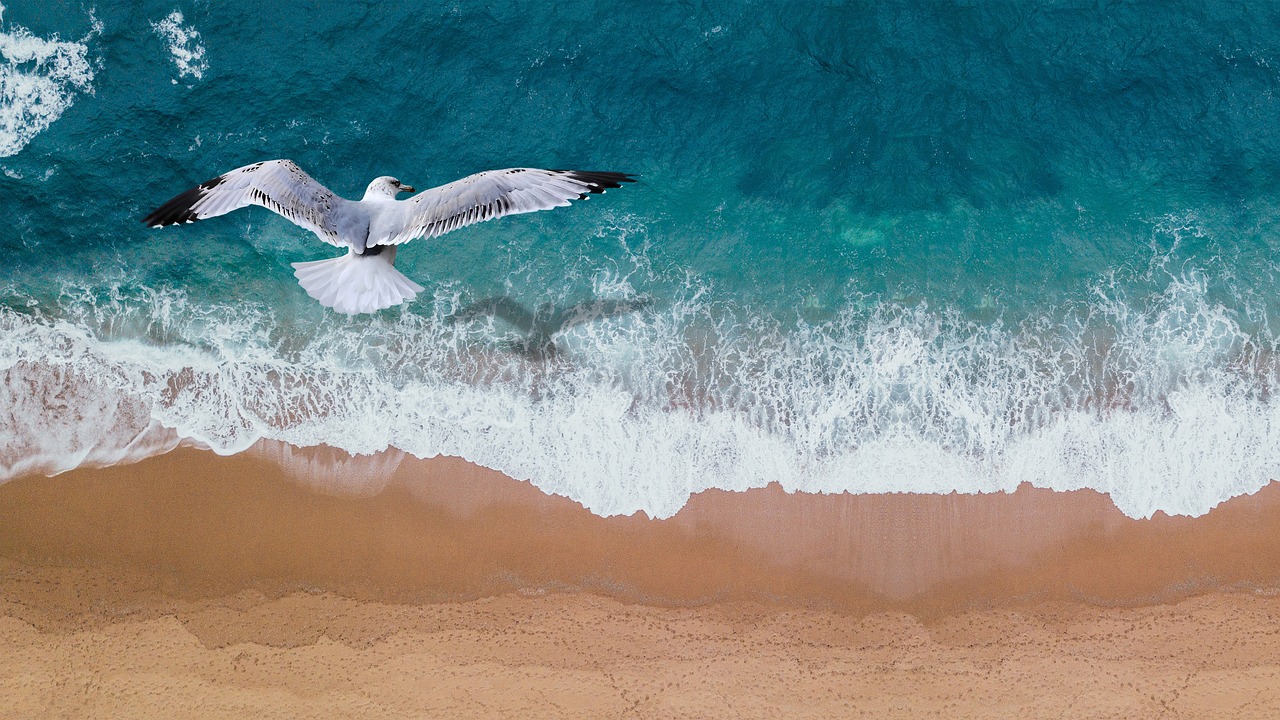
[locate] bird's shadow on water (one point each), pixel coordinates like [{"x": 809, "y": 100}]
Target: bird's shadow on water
[{"x": 540, "y": 327}]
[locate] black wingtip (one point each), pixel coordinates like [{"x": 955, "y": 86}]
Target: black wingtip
[
  {"x": 178, "y": 209},
  {"x": 599, "y": 181}
]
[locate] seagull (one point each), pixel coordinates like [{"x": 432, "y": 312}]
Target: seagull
[{"x": 365, "y": 279}]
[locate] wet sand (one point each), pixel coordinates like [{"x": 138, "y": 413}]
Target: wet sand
[{"x": 307, "y": 583}]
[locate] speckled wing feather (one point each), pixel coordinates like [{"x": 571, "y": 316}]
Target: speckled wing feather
[
  {"x": 278, "y": 185},
  {"x": 492, "y": 194}
]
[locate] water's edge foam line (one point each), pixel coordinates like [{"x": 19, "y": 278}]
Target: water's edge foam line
[{"x": 1164, "y": 407}]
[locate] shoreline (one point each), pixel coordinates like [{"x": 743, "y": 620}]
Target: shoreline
[
  {"x": 401, "y": 529},
  {"x": 193, "y": 585}
]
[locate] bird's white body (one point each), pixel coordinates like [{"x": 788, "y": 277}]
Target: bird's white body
[
  {"x": 365, "y": 279},
  {"x": 356, "y": 283}
]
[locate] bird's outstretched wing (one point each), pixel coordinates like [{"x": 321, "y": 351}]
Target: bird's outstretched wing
[
  {"x": 492, "y": 194},
  {"x": 278, "y": 185}
]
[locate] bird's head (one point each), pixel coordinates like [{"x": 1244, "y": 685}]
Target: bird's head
[{"x": 386, "y": 186}]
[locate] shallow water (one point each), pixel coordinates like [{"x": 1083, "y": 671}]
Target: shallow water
[{"x": 914, "y": 246}]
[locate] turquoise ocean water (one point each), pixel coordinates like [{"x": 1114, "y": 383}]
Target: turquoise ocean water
[{"x": 875, "y": 246}]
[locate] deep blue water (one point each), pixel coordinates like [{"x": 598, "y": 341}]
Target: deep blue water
[{"x": 924, "y": 246}]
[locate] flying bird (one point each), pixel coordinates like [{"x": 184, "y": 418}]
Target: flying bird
[{"x": 365, "y": 279}]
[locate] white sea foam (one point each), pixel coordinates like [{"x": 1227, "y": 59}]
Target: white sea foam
[
  {"x": 332, "y": 471},
  {"x": 39, "y": 80},
  {"x": 185, "y": 48},
  {"x": 1162, "y": 402}
]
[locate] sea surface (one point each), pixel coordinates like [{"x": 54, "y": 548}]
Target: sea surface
[{"x": 915, "y": 246}]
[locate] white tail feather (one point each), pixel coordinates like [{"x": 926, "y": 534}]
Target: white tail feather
[{"x": 355, "y": 283}]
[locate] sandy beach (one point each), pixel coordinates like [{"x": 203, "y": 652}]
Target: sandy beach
[
  {"x": 640, "y": 360},
  {"x": 310, "y": 584}
]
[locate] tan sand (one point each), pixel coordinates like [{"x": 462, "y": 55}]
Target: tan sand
[{"x": 196, "y": 586}]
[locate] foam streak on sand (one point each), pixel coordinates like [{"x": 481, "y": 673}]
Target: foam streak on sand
[{"x": 1163, "y": 406}]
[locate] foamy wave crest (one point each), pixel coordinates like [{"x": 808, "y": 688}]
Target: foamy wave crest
[
  {"x": 1163, "y": 402},
  {"x": 185, "y": 48},
  {"x": 57, "y": 419},
  {"x": 39, "y": 79}
]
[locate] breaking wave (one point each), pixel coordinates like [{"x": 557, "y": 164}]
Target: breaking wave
[{"x": 1161, "y": 400}]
